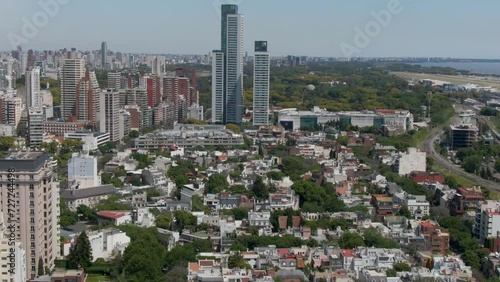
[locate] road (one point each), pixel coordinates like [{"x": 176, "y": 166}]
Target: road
[{"x": 428, "y": 146}]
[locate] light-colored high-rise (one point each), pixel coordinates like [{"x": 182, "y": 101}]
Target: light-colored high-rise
[
  {"x": 12, "y": 109},
  {"x": 36, "y": 117},
  {"x": 82, "y": 168},
  {"x": 234, "y": 69},
  {"x": 36, "y": 212},
  {"x": 110, "y": 114},
  {"x": 72, "y": 71},
  {"x": 33, "y": 94},
  {"x": 11, "y": 270},
  {"x": 261, "y": 75},
  {"x": 114, "y": 80},
  {"x": 218, "y": 87}
]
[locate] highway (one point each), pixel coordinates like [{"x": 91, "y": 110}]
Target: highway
[{"x": 428, "y": 146}]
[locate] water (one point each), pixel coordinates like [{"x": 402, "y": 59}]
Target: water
[{"x": 476, "y": 67}]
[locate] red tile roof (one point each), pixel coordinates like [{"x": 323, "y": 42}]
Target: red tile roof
[
  {"x": 111, "y": 214},
  {"x": 421, "y": 177}
]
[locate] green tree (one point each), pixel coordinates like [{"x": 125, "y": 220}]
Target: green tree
[
  {"x": 350, "y": 240},
  {"x": 194, "y": 121},
  {"x": 373, "y": 238},
  {"x": 80, "y": 254},
  {"x": 237, "y": 261},
  {"x": 133, "y": 134},
  {"x": 216, "y": 183},
  {"x": 177, "y": 274},
  {"x": 164, "y": 220},
  {"x": 183, "y": 219},
  {"x": 260, "y": 189},
  {"x": 143, "y": 259},
  {"x": 401, "y": 266},
  {"x": 40, "y": 270},
  {"x": 86, "y": 213},
  {"x": 404, "y": 211},
  {"x": 234, "y": 128},
  {"x": 472, "y": 164},
  {"x": 471, "y": 259}
]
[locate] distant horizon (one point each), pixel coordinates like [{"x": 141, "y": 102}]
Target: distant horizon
[{"x": 371, "y": 29}]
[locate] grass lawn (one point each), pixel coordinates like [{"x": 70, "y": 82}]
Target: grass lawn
[
  {"x": 496, "y": 122},
  {"x": 460, "y": 180},
  {"x": 97, "y": 278}
]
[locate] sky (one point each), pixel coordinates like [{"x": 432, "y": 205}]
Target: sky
[{"x": 326, "y": 28}]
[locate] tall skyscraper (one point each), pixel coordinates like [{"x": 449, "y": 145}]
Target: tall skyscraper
[
  {"x": 33, "y": 95},
  {"x": 36, "y": 212},
  {"x": 234, "y": 69},
  {"x": 104, "y": 54},
  {"x": 87, "y": 104},
  {"x": 110, "y": 114},
  {"x": 218, "y": 87},
  {"x": 261, "y": 73},
  {"x": 230, "y": 59},
  {"x": 72, "y": 71}
]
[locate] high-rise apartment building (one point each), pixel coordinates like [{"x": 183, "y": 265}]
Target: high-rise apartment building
[
  {"x": 124, "y": 123},
  {"x": 110, "y": 114},
  {"x": 232, "y": 64},
  {"x": 114, "y": 80},
  {"x": 218, "y": 103},
  {"x": 104, "y": 55},
  {"x": 11, "y": 271},
  {"x": 36, "y": 212},
  {"x": 33, "y": 95},
  {"x": 87, "y": 103},
  {"x": 12, "y": 109},
  {"x": 234, "y": 69},
  {"x": 82, "y": 169},
  {"x": 72, "y": 71},
  {"x": 36, "y": 117},
  {"x": 261, "y": 74}
]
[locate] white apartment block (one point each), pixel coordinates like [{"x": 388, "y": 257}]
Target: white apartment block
[
  {"x": 110, "y": 114},
  {"x": 91, "y": 139},
  {"x": 259, "y": 219},
  {"x": 105, "y": 244},
  {"x": 72, "y": 71},
  {"x": 33, "y": 95},
  {"x": 36, "y": 117},
  {"x": 82, "y": 168},
  {"x": 412, "y": 160},
  {"x": 12, "y": 264},
  {"x": 487, "y": 221}
]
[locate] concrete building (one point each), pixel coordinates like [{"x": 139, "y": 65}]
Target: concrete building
[
  {"x": 234, "y": 52},
  {"x": 104, "y": 55},
  {"x": 412, "y": 160},
  {"x": 292, "y": 119},
  {"x": 91, "y": 139},
  {"x": 463, "y": 136},
  {"x": 110, "y": 114},
  {"x": 218, "y": 75},
  {"x": 36, "y": 117},
  {"x": 11, "y": 270},
  {"x": 261, "y": 76},
  {"x": 61, "y": 128},
  {"x": 88, "y": 196},
  {"x": 12, "y": 109},
  {"x": 37, "y": 209},
  {"x": 105, "y": 244},
  {"x": 82, "y": 169},
  {"x": 195, "y": 111},
  {"x": 72, "y": 71},
  {"x": 33, "y": 95},
  {"x": 87, "y": 99},
  {"x": 185, "y": 137},
  {"x": 487, "y": 221},
  {"x": 114, "y": 80},
  {"x": 124, "y": 123},
  {"x": 259, "y": 219}
]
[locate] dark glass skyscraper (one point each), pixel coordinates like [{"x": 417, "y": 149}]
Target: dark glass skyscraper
[{"x": 226, "y": 9}]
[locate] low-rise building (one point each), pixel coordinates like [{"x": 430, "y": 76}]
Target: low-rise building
[
  {"x": 89, "y": 197},
  {"x": 115, "y": 218},
  {"x": 259, "y": 219},
  {"x": 92, "y": 139}
]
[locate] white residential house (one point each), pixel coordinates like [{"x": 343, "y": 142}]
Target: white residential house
[
  {"x": 105, "y": 244},
  {"x": 412, "y": 160},
  {"x": 259, "y": 218}
]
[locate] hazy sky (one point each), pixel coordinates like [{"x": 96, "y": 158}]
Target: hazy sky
[{"x": 444, "y": 28}]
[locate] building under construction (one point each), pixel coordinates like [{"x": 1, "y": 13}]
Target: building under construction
[{"x": 463, "y": 136}]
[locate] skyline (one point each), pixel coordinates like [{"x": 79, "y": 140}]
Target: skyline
[{"x": 293, "y": 27}]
